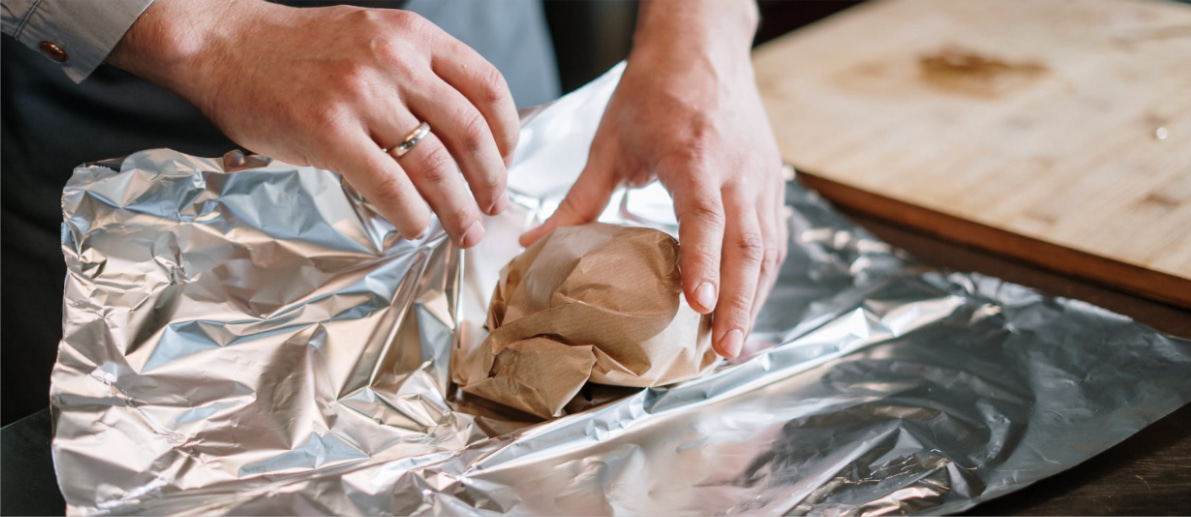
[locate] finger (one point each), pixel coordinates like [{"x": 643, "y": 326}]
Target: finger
[
  {"x": 469, "y": 139},
  {"x": 378, "y": 178},
  {"x": 586, "y": 199},
  {"x": 700, "y": 215},
  {"x": 437, "y": 178},
  {"x": 481, "y": 83},
  {"x": 744, "y": 249},
  {"x": 783, "y": 218},
  {"x": 432, "y": 171},
  {"x": 769, "y": 218}
]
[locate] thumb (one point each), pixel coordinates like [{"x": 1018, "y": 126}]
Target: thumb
[{"x": 584, "y": 202}]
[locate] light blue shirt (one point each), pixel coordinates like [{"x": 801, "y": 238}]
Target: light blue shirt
[{"x": 87, "y": 30}]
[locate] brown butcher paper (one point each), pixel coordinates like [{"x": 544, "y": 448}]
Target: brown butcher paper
[{"x": 597, "y": 302}]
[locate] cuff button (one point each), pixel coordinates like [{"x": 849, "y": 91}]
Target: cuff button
[{"x": 53, "y": 51}]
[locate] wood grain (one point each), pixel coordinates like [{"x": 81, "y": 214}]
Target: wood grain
[{"x": 1055, "y": 132}]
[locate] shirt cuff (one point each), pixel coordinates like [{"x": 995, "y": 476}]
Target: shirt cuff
[{"x": 77, "y": 34}]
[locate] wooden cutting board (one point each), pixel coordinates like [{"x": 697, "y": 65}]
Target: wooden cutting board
[{"x": 1055, "y": 132}]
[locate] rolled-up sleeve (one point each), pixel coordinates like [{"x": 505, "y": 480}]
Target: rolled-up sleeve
[{"x": 78, "y": 34}]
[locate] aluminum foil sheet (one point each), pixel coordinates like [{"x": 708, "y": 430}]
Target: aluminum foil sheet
[{"x": 259, "y": 341}]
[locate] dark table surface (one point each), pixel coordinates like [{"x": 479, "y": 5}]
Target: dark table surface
[{"x": 1147, "y": 474}]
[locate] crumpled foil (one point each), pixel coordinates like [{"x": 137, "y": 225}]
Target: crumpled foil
[{"x": 261, "y": 342}]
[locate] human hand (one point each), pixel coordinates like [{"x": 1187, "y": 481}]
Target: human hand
[
  {"x": 696, "y": 123},
  {"x": 333, "y": 87}
]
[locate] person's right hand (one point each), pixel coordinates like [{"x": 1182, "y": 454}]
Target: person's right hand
[{"x": 331, "y": 88}]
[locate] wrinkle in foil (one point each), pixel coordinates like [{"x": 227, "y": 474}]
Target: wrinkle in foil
[{"x": 261, "y": 342}]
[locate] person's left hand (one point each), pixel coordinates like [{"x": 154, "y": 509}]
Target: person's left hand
[{"x": 696, "y": 124}]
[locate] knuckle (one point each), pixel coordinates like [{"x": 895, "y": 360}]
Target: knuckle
[
  {"x": 701, "y": 254},
  {"x": 387, "y": 191},
  {"x": 355, "y": 16},
  {"x": 685, "y": 163},
  {"x": 738, "y": 309},
  {"x": 392, "y": 36},
  {"x": 330, "y": 116},
  {"x": 396, "y": 56},
  {"x": 695, "y": 150},
  {"x": 772, "y": 260},
  {"x": 354, "y": 79},
  {"x": 473, "y": 130},
  {"x": 409, "y": 20},
  {"x": 742, "y": 183},
  {"x": 389, "y": 51},
  {"x": 706, "y": 211},
  {"x": 493, "y": 87},
  {"x": 750, "y": 246},
  {"x": 433, "y": 166},
  {"x": 692, "y": 168}
]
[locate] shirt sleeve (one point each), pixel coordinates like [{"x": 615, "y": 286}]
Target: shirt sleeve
[{"x": 78, "y": 34}]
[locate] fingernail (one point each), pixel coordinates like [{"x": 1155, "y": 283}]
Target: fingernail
[
  {"x": 499, "y": 206},
  {"x": 705, "y": 295},
  {"x": 472, "y": 236},
  {"x": 731, "y": 343}
]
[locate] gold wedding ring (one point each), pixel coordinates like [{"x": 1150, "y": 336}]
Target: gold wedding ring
[{"x": 411, "y": 140}]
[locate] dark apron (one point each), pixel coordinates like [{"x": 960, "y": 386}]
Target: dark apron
[{"x": 50, "y": 125}]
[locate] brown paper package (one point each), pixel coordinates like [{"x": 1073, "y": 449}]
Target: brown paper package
[{"x": 597, "y": 302}]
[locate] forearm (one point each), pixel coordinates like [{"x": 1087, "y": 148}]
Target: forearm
[{"x": 716, "y": 29}]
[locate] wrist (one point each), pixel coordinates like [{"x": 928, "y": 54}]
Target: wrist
[
  {"x": 178, "y": 43},
  {"x": 717, "y": 29}
]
